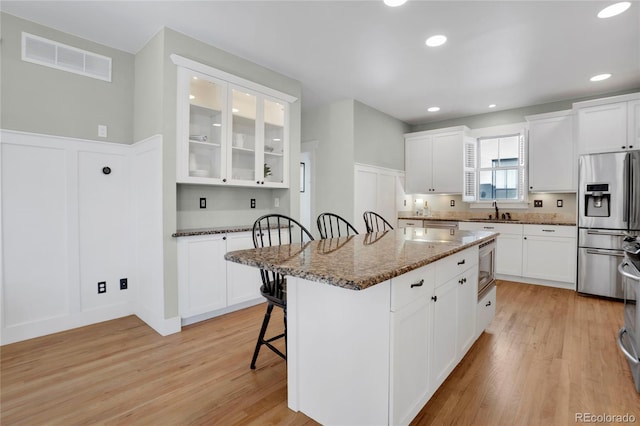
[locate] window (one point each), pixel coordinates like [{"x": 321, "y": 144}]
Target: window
[{"x": 495, "y": 168}]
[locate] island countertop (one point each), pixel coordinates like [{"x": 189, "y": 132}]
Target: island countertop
[{"x": 361, "y": 261}]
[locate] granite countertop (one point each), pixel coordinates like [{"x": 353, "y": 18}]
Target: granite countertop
[
  {"x": 211, "y": 231},
  {"x": 360, "y": 261},
  {"x": 524, "y": 220}
]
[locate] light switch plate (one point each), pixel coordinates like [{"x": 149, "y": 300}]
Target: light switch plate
[
  {"x": 203, "y": 203},
  {"x": 102, "y": 130},
  {"x": 559, "y": 203}
]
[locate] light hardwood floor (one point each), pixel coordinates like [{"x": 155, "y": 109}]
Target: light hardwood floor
[{"x": 548, "y": 355}]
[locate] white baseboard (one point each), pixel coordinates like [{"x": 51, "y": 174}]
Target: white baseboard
[
  {"x": 536, "y": 281},
  {"x": 163, "y": 326},
  {"x": 30, "y": 330},
  {"x": 208, "y": 315}
]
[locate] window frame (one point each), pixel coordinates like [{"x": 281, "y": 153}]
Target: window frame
[{"x": 472, "y": 169}]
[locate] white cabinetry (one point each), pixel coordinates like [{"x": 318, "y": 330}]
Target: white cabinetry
[
  {"x": 410, "y": 223},
  {"x": 486, "y": 310},
  {"x": 508, "y": 247},
  {"x": 454, "y": 312},
  {"x": 608, "y": 125},
  {"x": 208, "y": 285},
  {"x": 376, "y": 189},
  {"x": 411, "y": 327},
  {"x": 243, "y": 282},
  {"x": 549, "y": 252},
  {"x": 552, "y": 157},
  {"x": 433, "y": 161},
  {"x": 230, "y": 131}
]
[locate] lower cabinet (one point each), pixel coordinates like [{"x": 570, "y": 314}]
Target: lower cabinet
[
  {"x": 539, "y": 252},
  {"x": 549, "y": 253},
  {"x": 486, "y": 310},
  {"x": 434, "y": 314},
  {"x": 208, "y": 285},
  {"x": 410, "y": 223}
]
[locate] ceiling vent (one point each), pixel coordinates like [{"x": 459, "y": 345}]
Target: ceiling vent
[{"x": 63, "y": 57}]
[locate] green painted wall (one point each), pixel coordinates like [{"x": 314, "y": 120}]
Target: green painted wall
[{"x": 39, "y": 99}]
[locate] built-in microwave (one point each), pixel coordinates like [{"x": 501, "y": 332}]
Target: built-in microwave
[{"x": 486, "y": 267}]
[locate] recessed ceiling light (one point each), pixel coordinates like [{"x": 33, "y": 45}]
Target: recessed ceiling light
[
  {"x": 433, "y": 109},
  {"x": 235, "y": 110},
  {"x": 492, "y": 106},
  {"x": 394, "y": 3},
  {"x": 191, "y": 97},
  {"x": 614, "y": 9},
  {"x": 195, "y": 78},
  {"x": 436, "y": 40},
  {"x": 217, "y": 125},
  {"x": 600, "y": 77},
  {"x": 276, "y": 139}
]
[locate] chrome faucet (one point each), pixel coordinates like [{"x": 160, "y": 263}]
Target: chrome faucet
[{"x": 495, "y": 204}]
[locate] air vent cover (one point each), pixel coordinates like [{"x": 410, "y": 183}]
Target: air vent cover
[{"x": 52, "y": 54}]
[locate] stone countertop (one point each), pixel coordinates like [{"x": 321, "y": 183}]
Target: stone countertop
[
  {"x": 516, "y": 221},
  {"x": 211, "y": 231},
  {"x": 361, "y": 261}
]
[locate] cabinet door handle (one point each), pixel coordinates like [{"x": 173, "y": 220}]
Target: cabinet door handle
[
  {"x": 462, "y": 281},
  {"x": 434, "y": 298},
  {"x": 224, "y": 238},
  {"x": 410, "y": 223},
  {"x": 461, "y": 262},
  {"x": 548, "y": 230},
  {"x": 418, "y": 284},
  {"x": 224, "y": 180},
  {"x": 489, "y": 227},
  {"x": 488, "y": 303}
]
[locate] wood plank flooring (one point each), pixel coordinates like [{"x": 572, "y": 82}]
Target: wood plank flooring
[{"x": 547, "y": 355}]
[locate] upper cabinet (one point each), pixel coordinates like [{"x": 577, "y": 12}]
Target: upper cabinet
[
  {"x": 433, "y": 161},
  {"x": 609, "y": 124},
  {"x": 552, "y": 152},
  {"x": 230, "y": 131}
]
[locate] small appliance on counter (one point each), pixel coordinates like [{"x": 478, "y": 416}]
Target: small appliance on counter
[{"x": 629, "y": 334}]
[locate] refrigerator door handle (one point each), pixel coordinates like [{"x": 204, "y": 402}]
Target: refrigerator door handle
[
  {"x": 627, "y": 182},
  {"x": 605, "y": 252},
  {"x": 608, "y": 233},
  {"x": 634, "y": 191}
]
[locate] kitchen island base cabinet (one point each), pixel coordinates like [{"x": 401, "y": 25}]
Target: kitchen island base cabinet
[{"x": 376, "y": 356}]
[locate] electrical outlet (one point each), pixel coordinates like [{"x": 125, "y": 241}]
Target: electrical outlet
[
  {"x": 102, "y": 131},
  {"x": 102, "y": 287},
  {"x": 452, "y": 203},
  {"x": 276, "y": 202},
  {"x": 124, "y": 284},
  {"x": 203, "y": 203},
  {"x": 559, "y": 203},
  {"x": 537, "y": 203},
  {"x": 253, "y": 203}
]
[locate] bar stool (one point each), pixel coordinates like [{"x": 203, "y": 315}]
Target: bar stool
[
  {"x": 375, "y": 223},
  {"x": 274, "y": 230},
  {"x": 330, "y": 225}
]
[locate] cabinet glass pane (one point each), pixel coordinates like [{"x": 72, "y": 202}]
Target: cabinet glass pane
[
  {"x": 243, "y": 137},
  {"x": 273, "y": 141},
  {"x": 206, "y": 100}
]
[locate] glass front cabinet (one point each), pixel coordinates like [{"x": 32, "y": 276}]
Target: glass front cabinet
[{"x": 230, "y": 131}]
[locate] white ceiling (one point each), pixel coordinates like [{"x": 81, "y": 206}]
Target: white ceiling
[{"x": 511, "y": 53}]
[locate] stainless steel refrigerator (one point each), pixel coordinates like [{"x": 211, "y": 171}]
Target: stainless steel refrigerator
[{"x": 608, "y": 210}]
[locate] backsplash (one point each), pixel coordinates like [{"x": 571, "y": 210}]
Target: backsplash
[
  {"x": 226, "y": 206},
  {"x": 440, "y": 207}
]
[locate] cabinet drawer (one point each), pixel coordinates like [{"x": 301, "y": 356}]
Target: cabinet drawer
[
  {"x": 486, "y": 311},
  {"x": 409, "y": 223},
  {"x": 502, "y": 228},
  {"x": 550, "y": 231},
  {"x": 410, "y": 286},
  {"x": 455, "y": 264}
]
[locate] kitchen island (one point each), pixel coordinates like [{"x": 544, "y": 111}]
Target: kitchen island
[{"x": 376, "y": 322}]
